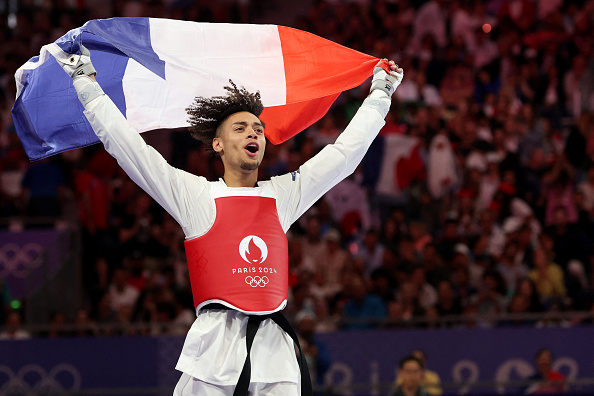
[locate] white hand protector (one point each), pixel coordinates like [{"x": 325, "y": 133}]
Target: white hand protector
[
  {"x": 384, "y": 81},
  {"x": 77, "y": 66}
]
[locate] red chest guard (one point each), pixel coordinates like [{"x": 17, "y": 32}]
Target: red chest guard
[{"x": 242, "y": 261}]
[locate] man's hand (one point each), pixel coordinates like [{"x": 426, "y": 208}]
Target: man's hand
[
  {"x": 77, "y": 66},
  {"x": 384, "y": 81}
]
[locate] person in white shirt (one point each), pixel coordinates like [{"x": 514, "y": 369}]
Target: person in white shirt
[
  {"x": 120, "y": 292},
  {"x": 235, "y": 227},
  {"x": 13, "y": 330}
]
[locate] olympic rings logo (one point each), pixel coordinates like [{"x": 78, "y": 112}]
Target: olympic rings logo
[
  {"x": 19, "y": 261},
  {"x": 32, "y": 379},
  {"x": 257, "y": 281}
]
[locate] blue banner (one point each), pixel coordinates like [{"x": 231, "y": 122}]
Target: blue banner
[
  {"x": 463, "y": 356},
  {"x": 362, "y": 359}
]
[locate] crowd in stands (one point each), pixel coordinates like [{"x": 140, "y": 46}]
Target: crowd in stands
[{"x": 477, "y": 198}]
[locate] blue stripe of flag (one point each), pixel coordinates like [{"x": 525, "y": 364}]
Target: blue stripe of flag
[{"x": 48, "y": 117}]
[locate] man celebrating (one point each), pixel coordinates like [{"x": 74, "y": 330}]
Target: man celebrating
[{"x": 235, "y": 227}]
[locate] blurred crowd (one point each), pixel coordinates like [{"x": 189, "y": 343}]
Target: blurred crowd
[{"x": 476, "y": 200}]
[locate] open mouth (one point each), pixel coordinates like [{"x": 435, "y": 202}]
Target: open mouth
[{"x": 252, "y": 148}]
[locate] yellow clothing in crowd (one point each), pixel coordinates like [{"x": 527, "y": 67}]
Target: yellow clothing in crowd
[
  {"x": 431, "y": 382},
  {"x": 549, "y": 284}
]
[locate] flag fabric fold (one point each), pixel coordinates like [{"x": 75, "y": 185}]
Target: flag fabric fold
[{"x": 153, "y": 68}]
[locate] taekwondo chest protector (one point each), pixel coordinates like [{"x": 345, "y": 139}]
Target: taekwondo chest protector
[{"x": 242, "y": 261}]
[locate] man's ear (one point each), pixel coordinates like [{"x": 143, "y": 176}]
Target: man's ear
[{"x": 217, "y": 145}]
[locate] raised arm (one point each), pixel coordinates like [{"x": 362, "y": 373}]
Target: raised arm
[
  {"x": 299, "y": 190},
  {"x": 143, "y": 164}
]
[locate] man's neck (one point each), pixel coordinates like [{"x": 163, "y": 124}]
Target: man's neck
[{"x": 241, "y": 179}]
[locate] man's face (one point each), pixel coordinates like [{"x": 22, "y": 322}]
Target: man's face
[
  {"x": 241, "y": 142},
  {"x": 412, "y": 374},
  {"x": 544, "y": 362}
]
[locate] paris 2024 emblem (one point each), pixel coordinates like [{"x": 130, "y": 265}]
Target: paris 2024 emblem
[{"x": 254, "y": 251}]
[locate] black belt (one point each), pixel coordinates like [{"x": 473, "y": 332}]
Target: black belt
[{"x": 252, "y": 328}]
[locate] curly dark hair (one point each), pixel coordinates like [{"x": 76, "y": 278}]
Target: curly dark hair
[{"x": 207, "y": 114}]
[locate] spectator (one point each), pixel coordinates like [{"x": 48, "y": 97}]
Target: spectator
[
  {"x": 420, "y": 236},
  {"x": 57, "y": 322},
  {"x": 571, "y": 85},
  {"x": 518, "y": 307},
  {"x": 548, "y": 277},
  {"x": 315, "y": 350},
  {"x": 545, "y": 380},
  {"x": 416, "y": 90},
  {"x": 371, "y": 251},
  {"x": 448, "y": 304},
  {"x": 362, "y": 307},
  {"x": 431, "y": 20},
  {"x": 463, "y": 289},
  {"x": 410, "y": 370},
  {"x": 333, "y": 261},
  {"x": 558, "y": 191},
  {"x": 527, "y": 288},
  {"x": 140, "y": 225},
  {"x": 442, "y": 173},
  {"x": 83, "y": 325},
  {"x": 448, "y": 240},
  {"x": 408, "y": 298},
  {"x": 485, "y": 51},
  {"x": 491, "y": 298},
  {"x": 434, "y": 265},
  {"x": 569, "y": 240},
  {"x": 427, "y": 293},
  {"x": 43, "y": 189},
  {"x": 298, "y": 261},
  {"x": 13, "y": 328},
  {"x": 350, "y": 206},
  {"x": 492, "y": 233},
  {"x": 510, "y": 268},
  {"x": 312, "y": 244},
  {"x": 389, "y": 235},
  {"x": 165, "y": 313},
  {"x": 121, "y": 294},
  {"x": 430, "y": 382},
  {"x": 382, "y": 285}
]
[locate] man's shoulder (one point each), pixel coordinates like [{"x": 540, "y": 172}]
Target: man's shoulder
[
  {"x": 284, "y": 182},
  {"x": 289, "y": 176}
]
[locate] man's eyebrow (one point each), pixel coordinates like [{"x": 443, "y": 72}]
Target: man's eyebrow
[{"x": 244, "y": 123}]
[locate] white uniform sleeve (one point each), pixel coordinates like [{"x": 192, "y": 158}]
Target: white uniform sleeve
[
  {"x": 298, "y": 191},
  {"x": 178, "y": 192}
]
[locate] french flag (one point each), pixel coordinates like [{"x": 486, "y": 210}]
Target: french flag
[{"x": 153, "y": 68}]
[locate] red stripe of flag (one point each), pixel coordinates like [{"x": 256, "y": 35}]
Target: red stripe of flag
[{"x": 316, "y": 72}]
